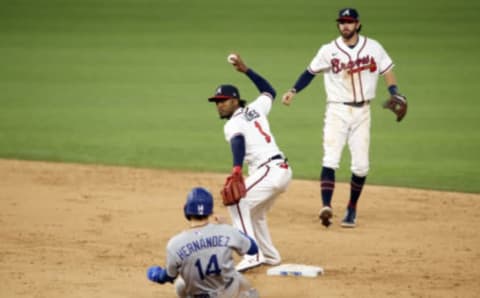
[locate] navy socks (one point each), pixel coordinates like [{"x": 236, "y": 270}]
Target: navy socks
[
  {"x": 356, "y": 186},
  {"x": 327, "y": 185}
]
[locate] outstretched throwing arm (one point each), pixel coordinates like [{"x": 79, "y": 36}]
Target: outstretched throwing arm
[{"x": 260, "y": 82}]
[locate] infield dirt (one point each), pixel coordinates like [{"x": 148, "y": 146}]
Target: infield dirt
[{"x": 70, "y": 230}]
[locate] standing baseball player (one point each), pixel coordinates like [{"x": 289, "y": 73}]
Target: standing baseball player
[
  {"x": 247, "y": 130},
  {"x": 200, "y": 258},
  {"x": 351, "y": 65}
]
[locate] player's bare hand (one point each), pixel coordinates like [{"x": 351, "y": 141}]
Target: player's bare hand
[
  {"x": 288, "y": 97},
  {"x": 239, "y": 64}
]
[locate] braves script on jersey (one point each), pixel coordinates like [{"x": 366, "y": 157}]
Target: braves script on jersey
[
  {"x": 351, "y": 75},
  {"x": 252, "y": 123},
  {"x": 203, "y": 256}
]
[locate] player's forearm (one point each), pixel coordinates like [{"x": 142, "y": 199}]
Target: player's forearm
[
  {"x": 261, "y": 83},
  {"x": 303, "y": 81},
  {"x": 237, "y": 144},
  {"x": 390, "y": 79}
]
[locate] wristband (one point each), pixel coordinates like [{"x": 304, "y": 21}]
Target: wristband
[
  {"x": 237, "y": 169},
  {"x": 393, "y": 89}
]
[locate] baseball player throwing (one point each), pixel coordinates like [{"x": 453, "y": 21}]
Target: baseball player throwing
[
  {"x": 247, "y": 130},
  {"x": 351, "y": 65},
  {"x": 200, "y": 260}
]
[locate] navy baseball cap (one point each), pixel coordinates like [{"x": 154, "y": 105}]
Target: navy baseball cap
[
  {"x": 224, "y": 92},
  {"x": 348, "y": 15}
]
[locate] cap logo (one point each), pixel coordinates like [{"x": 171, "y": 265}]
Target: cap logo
[
  {"x": 200, "y": 209},
  {"x": 219, "y": 90},
  {"x": 346, "y": 12}
]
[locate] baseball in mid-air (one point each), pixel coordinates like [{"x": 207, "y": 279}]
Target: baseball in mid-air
[{"x": 232, "y": 58}]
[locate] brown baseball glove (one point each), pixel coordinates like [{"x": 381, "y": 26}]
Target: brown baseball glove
[
  {"x": 233, "y": 189},
  {"x": 398, "y": 105}
]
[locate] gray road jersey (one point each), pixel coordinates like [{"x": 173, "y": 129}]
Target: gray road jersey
[{"x": 203, "y": 256}]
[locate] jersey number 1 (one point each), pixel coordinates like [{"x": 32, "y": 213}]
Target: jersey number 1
[
  {"x": 268, "y": 138},
  {"x": 212, "y": 267}
]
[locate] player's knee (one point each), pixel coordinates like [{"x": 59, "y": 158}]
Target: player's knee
[
  {"x": 360, "y": 171},
  {"x": 180, "y": 287},
  {"x": 332, "y": 164}
]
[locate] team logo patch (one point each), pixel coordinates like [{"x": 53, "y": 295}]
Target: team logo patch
[{"x": 200, "y": 209}]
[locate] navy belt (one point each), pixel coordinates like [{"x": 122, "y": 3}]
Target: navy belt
[
  {"x": 278, "y": 156},
  {"x": 357, "y": 104},
  {"x": 275, "y": 157}
]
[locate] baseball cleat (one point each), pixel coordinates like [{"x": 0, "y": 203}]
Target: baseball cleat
[
  {"x": 349, "y": 219},
  {"x": 247, "y": 264},
  {"x": 325, "y": 215}
]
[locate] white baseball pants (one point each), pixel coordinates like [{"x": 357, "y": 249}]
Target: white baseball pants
[
  {"x": 346, "y": 123},
  {"x": 250, "y": 214}
]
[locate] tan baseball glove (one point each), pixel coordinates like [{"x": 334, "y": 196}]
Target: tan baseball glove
[
  {"x": 398, "y": 105},
  {"x": 233, "y": 189}
]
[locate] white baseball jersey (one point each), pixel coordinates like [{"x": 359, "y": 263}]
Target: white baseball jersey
[
  {"x": 252, "y": 123},
  {"x": 351, "y": 75},
  {"x": 203, "y": 257}
]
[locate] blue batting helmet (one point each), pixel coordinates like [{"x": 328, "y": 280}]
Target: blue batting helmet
[{"x": 199, "y": 202}]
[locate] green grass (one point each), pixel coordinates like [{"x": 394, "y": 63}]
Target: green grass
[{"x": 126, "y": 82}]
